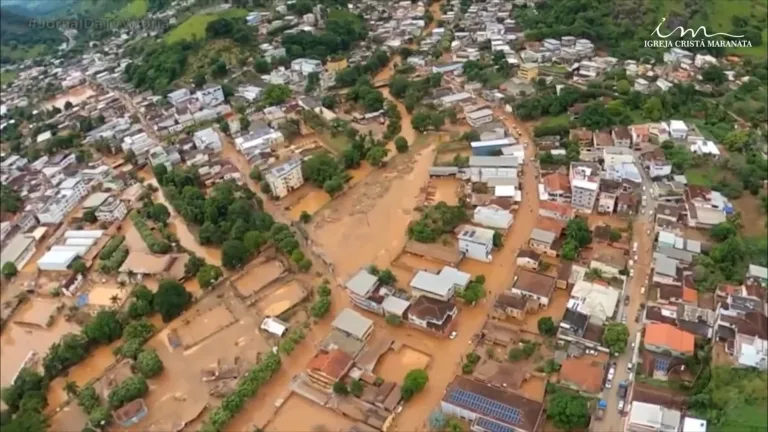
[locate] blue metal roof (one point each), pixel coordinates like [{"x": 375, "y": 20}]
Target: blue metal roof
[
  {"x": 492, "y": 426},
  {"x": 485, "y": 406}
]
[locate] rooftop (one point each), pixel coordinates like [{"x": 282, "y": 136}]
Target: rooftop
[
  {"x": 441, "y": 283},
  {"x": 475, "y": 234},
  {"x": 334, "y": 363},
  {"x": 362, "y": 283},
  {"x": 535, "y": 283},
  {"x": 670, "y": 337},
  {"x": 352, "y": 323},
  {"x": 585, "y": 372},
  {"x": 430, "y": 309}
]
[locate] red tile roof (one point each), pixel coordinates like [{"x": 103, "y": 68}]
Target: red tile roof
[
  {"x": 668, "y": 336},
  {"x": 334, "y": 363}
]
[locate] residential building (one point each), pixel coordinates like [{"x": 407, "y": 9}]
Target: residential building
[
  {"x": 706, "y": 208},
  {"x": 646, "y": 417},
  {"x": 353, "y": 324},
  {"x": 18, "y": 251},
  {"x": 656, "y": 163},
  {"x": 512, "y": 305},
  {"x": 441, "y": 286},
  {"x": 164, "y": 156},
  {"x": 306, "y": 66},
  {"x": 111, "y": 210},
  {"x": 493, "y": 217},
  {"x": 585, "y": 184},
  {"x": 678, "y": 129},
  {"x": 582, "y": 136},
  {"x": 488, "y": 408},
  {"x": 58, "y": 207},
  {"x": 621, "y": 137},
  {"x": 556, "y": 210},
  {"x": 207, "y": 139},
  {"x": 454, "y": 99},
  {"x": 433, "y": 315},
  {"x": 210, "y": 96},
  {"x": 536, "y": 286},
  {"x": 476, "y": 243},
  {"x": 76, "y": 185},
  {"x": 179, "y": 96},
  {"x": 595, "y": 300},
  {"x": 361, "y": 288},
  {"x": 640, "y": 134},
  {"x": 528, "y": 258},
  {"x": 528, "y": 71},
  {"x": 706, "y": 148},
  {"x": 603, "y": 139},
  {"x": 584, "y": 373},
  {"x": 328, "y": 367},
  {"x": 477, "y": 118},
  {"x": 285, "y": 177},
  {"x": 558, "y": 187},
  {"x": 662, "y": 338},
  {"x": 258, "y": 141}
]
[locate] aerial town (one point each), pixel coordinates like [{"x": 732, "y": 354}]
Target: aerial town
[{"x": 454, "y": 215}]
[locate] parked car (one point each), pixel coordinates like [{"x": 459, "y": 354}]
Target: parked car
[
  {"x": 621, "y": 405},
  {"x": 622, "y": 390},
  {"x": 453, "y": 335},
  {"x": 630, "y": 366},
  {"x": 626, "y": 300}
]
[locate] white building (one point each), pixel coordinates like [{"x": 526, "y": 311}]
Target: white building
[
  {"x": 178, "y": 96},
  {"x": 645, "y": 417},
  {"x": 493, "y": 217},
  {"x": 258, "y": 141},
  {"x": 211, "y": 96},
  {"x": 113, "y": 209},
  {"x": 441, "y": 286},
  {"x": 285, "y": 178},
  {"x": 595, "y": 300},
  {"x": 477, "y": 118},
  {"x": 306, "y": 66},
  {"x": 678, "y": 129},
  {"x": 706, "y": 148},
  {"x": 58, "y": 206},
  {"x": 76, "y": 185},
  {"x": 476, "y": 243},
  {"x": 208, "y": 139},
  {"x": 584, "y": 188}
]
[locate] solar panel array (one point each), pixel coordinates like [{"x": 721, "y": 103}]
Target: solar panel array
[
  {"x": 485, "y": 406},
  {"x": 493, "y": 426},
  {"x": 662, "y": 364}
]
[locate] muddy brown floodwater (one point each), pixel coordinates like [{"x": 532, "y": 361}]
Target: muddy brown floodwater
[{"x": 74, "y": 95}]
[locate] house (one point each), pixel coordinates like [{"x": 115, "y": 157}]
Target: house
[
  {"x": 353, "y": 324},
  {"x": 603, "y": 139},
  {"x": 677, "y": 129},
  {"x": 544, "y": 237},
  {"x": 488, "y": 408},
  {"x": 476, "y": 243},
  {"x": 609, "y": 261},
  {"x": 111, "y": 210},
  {"x": 18, "y": 251},
  {"x": 665, "y": 270},
  {"x": 528, "y": 71},
  {"x": 533, "y": 285},
  {"x": 328, "y": 367},
  {"x": 306, "y": 66},
  {"x": 477, "y": 118},
  {"x": 595, "y": 300},
  {"x": 641, "y": 85},
  {"x": 558, "y": 187},
  {"x": 454, "y": 99},
  {"x": 528, "y": 258},
  {"x": 433, "y": 315},
  {"x": 662, "y": 338},
  {"x": 656, "y": 163},
  {"x": 705, "y": 148},
  {"x": 441, "y": 286},
  {"x": 361, "y": 288},
  {"x": 640, "y": 134},
  {"x": 646, "y": 417},
  {"x": 706, "y": 208},
  {"x": 585, "y": 184},
  {"x": 492, "y": 216},
  {"x": 556, "y": 210},
  {"x": 449, "y": 68},
  {"x": 258, "y": 141},
  {"x": 758, "y": 272},
  {"x": 621, "y": 136},
  {"x": 285, "y": 178},
  {"x": 582, "y": 136},
  {"x": 210, "y": 96},
  {"x": 584, "y": 373},
  {"x": 207, "y": 139}
]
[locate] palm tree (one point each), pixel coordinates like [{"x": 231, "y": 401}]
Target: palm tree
[
  {"x": 71, "y": 388},
  {"x": 115, "y": 299},
  {"x": 594, "y": 273}
]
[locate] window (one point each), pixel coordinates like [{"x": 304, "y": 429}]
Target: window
[{"x": 661, "y": 365}]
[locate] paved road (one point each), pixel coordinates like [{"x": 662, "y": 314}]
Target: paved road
[{"x": 613, "y": 420}]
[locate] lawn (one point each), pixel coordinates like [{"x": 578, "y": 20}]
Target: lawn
[
  {"x": 7, "y": 77},
  {"x": 134, "y": 9},
  {"x": 337, "y": 144},
  {"x": 194, "y": 26},
  {"x": 720, "y": 20},
  {"x": 24, "y": 52},
  {"x": 744, "y": 418},
  {"x": 701, "y": 176}
]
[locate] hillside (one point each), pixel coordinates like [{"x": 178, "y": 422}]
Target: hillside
[{"x": 20, "y": 40}]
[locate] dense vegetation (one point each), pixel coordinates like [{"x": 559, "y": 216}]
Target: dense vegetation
[
  {"x": 437, "y": 220},
  {"x": 17, "y": 37},
  {"x": 159, "y": 65},
  {"x": 342, "y": 30}
]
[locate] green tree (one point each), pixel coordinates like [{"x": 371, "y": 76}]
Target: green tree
[
  {"x": 340, "y": 388},
  {"x": 305, "y": 217},
  {"x": 89, "y": 216},
  {"x": 653, "y": 109},
  {"x": 78, "y": 266},
  {"x": 28, "y": 384},
  {"x": 275, "y": 94},
  {"x": 713, "y": 74},
  {"x": 546, "y": 326},
  {"x": 623, "y": 87},
  {"x": 320, "y": 307},
  {"x": 498, "y": 239},
  {"x": 141, "y": 329},
  {"x": 375, "y": 155},
  {"x": 568, "y": 410},
  {"x": 10, "y": 199},
  {"x": 254, "y": 240},
  {"x": 393, "y": 320},
  {"x": 159, "y": 213},
  {"x": 9, "y": 270},
  {"x": 208, "y": 275},
  {"x": 414, "y": 382},
  {"x": 199, "y": 80},
  {"x": 171, "y": 299},
  {"x": 615, "y": 337},
  {"x": 333, "y": 186},
  {"x": 401, "y": 144},
  {"x": 386, "y": 277},
  {"x": 356, "y": 388},
  {"x": 148, "y": 363},
  {"x": 193, "y": 265},
  {"x": 104, "y": 328},
  {"x": 234, "y": 254},
  {"x": 255, "y": 174},
  {"x": 131, "y": 389}
]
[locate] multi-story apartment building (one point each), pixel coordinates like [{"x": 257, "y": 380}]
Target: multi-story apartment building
[
  {"x": 285, "y": 178},
  {"x": 113, "y": 209},
  {"x": 585, "y": 185}
]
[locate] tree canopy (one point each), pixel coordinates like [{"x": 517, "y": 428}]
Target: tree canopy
[
  {"x": 615, "y": 337},
  {"x": 568, "y": 410},
  {"x": 171, "y": 299},
  {"x": 414, "y": 382}
]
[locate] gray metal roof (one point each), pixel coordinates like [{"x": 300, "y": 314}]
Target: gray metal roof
[
  {"x": 394, "y": 305},
  {"x": 352, "y": 323},
  {"x": 362, "y": 283},
  {"x": 542, "y": 236},
  {"x": 665, "y": 265},
  {"x": 493, "y": 161},
  {"x": 758, "y": 271},
  {"x": 677, "y": 254}
]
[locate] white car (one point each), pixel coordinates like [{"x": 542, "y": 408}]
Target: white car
[
  {"x": 629, "y": 366},
  {"x": 632, "y": 347},
  {"x": 453, "y": 335},
  {"x": 621, "y": 405}
]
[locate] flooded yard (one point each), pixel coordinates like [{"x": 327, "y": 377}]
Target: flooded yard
[
  {"x": 257, "y": 277},
  {"x": 19, "y": 341},
  {"x": 75, "y": 95},
  {"x": 132, "y": 238},
  {"x": 753, "y": 215},
  {"x": 90, "y": 368},
  {"x": 308, "y": 198},
  {"x": 394, "y": 365},
  {"x": 286, "y": 297},
  {"x": 301, "y": 414},
  {"x": 196, "y": 328},
  {"x": 445, "y": 189}
]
